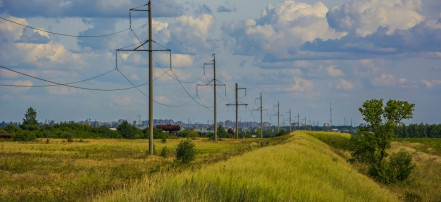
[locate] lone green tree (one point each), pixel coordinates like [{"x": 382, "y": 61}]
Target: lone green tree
[
  {"x": 372, "y": 141},
  {"x": 126, "y": 130},
  {"x": 30, "y": 120}
]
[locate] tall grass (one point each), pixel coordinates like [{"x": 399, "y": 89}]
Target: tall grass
[
  {"x": 303, "y": 169},
  {"x": 58, "y": 170},
  {"x": 424, "y": 183}
]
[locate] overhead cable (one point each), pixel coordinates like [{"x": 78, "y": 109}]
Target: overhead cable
[
  {"x": 67, "y": 85},
  {"x": 61, "y": 34},
  {"x": 33, "y": 86}
]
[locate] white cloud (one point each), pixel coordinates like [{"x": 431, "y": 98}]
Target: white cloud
[
  {"x": 282, "y": 29},
  {"x": 384, "y": 80},
  {"x": 332, "y": 71},
  {"x": 49, "y": 55},
  {"x": 190, "y": 33},
  {"x": 301, "y": 85},
  {"x": 344, "y": 85},
  {"x": 24, "y": 83},
  {"x": 178, "y": 60},
  {"x": 364, "y": 17},
  {"x": 12, "y": 31},
  {"x": 431, "y": 84}
]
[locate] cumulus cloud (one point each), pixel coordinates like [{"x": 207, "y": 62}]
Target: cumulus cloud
[
  {"x": 332, "y": 71},
  {"x": 49, "y": 55},
  {"x": 344, "y": 85},
  {"x": 367, "y": 16},
  {"x": 189, "y": 34},
  {"x": 282, "y": 29},
  {"x": 384, "y": 80},
  {"x": 10, "y": 31},
  {"x": 301, "y": 85},
  {"x": 432, "y": 83}
]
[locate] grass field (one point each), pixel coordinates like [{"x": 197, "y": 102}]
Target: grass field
[
  {"x": 57, "y": 170},
  {"x": 303, "y": 169},
  {"x": 424, "y": 183}
]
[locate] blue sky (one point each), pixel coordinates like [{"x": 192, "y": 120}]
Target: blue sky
[{"x": 303, "y": 54}]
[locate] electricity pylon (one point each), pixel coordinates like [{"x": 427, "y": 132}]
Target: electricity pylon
[
  {"x": 214, "y": 84},
  {"x": 150, "y": 51},
  {"x": 237, "y": 107}
]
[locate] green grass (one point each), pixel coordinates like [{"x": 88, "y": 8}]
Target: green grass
[
  {"x": 433, "y": 143},
  {"x": 302, "y": 169},
  {"x": 424, "y": 183},
  {"x": 80, "y": 170}
]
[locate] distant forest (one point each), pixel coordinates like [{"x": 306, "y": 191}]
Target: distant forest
[{"x": 419, "y": 131}]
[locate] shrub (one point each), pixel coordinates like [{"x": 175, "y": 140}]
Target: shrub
[
  {"x": 24, "y": 136},
  {"x": 185, "y": 151},
  {"x": 398, "y": 168},
  {"x": 164, "y": 152},
  {"x": 164, "y": 139},
  {"x": 401, "y": 164}
]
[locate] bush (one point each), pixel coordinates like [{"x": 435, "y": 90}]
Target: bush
[
  {"x": 24, "y": 136},
  {"x": 401, "y": 164},
  {"x": 188, "y": 133},
  {"x": 164, "y": 152},
  {"x": 185, "y": 151},
  {"x": 398, "y": 168}
]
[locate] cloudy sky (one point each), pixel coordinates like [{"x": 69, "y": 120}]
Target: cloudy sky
[{"x": 303, "y": 54}]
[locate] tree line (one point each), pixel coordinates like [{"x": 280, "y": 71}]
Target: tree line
[{"x": 418, "y": 131}]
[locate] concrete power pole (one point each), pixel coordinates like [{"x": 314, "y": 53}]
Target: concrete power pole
[
  {"x": 261, "y": 123},
  {"x": 278, "y": 117},
  {"x": 290, "y": 120},
  {"x": 261, "y": 115},
  {"x": 150, "y": 51},
  {"x": 150, "y": 80},
  {"x": 213, "y": 62},
  {"x": 237, "y": 107}
]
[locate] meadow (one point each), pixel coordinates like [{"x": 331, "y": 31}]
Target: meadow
[
  {"x": 424, "y": 183},
  {"x": 302, "y": 169},
  {"x": 59, "y": 170}
]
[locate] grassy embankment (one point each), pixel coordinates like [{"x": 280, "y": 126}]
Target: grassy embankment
[
  {"x": 303, "y": 169},
  {"x": 57, "y": 170},
  {"x": 424, "y": 183}
]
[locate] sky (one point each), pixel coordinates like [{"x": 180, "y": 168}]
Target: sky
[{"x": 304, "y": 55}]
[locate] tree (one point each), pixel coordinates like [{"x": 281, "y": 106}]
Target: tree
[
  {"x": 371, "y": 143},
  {"x": 30, "y": 120},
  {"x": 126, "y": 130}
]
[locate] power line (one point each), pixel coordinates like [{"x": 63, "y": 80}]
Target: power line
[
  {"x": 66, "y": 85},
  {"x": 84, "y": 80},
  {"x": 181, "y": 84},
  {"x": 147, "y": 95},
  {"x": 61, "y": 34}
]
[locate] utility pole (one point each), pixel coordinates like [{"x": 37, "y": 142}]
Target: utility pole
[
  {"x": 213, "y": 62},
  {"x": 330, "y": 113},
  {"x": 278, "y": 116},
  {"x": 298, "y": 120},
  {"x": 237, "y": 107},
  {"x": 150, "y": 80},
  {"x": 290, "y": 120},
  {"x": 261, "y": 115},
  {"x": 150, "y": 51}
]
